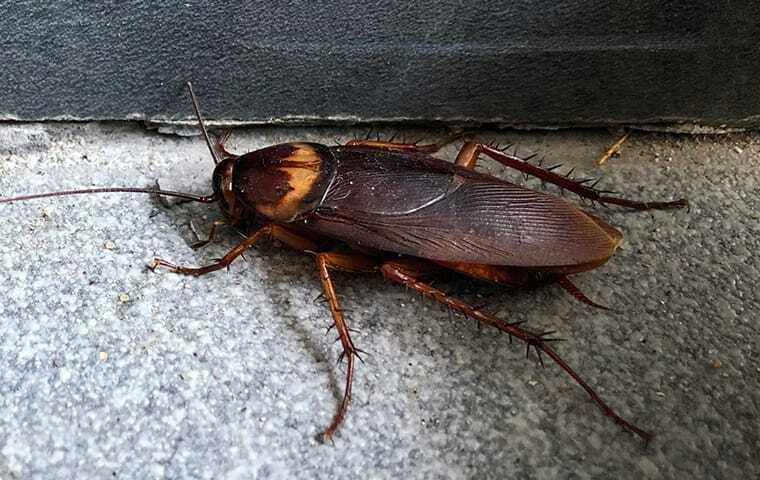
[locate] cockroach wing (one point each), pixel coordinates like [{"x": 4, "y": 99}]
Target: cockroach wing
[
  {"x": 386, "y": 183},
  {"x": 421, "y": 206}
]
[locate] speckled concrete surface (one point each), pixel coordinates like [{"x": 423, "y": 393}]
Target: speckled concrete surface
[{"x": 110, "y": 370}]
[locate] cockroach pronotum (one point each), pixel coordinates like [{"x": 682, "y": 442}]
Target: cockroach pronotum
[{"x": 403, "y": 213}]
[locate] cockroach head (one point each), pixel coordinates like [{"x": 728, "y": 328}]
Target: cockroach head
[
  {"x": 280, "y": 183},
  {"x": 224, "y": 192}
]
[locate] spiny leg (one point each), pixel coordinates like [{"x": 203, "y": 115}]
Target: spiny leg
[
  {"x": 219, "y": 142},
  {"x": 284, "y": 235},
  {"x": 209, "y": 238},
  {"x": 351, "y": 263},
  {"x": 406, "y": 274},
  {"x": 573, "y": 290},
  {"x": 429, "y": 148},
  {"x": 468, "y": 157},
  {"x": 164, "y": 201}
]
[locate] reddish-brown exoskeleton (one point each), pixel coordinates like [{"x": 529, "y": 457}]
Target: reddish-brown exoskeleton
[{"x": 403, "y": 213}]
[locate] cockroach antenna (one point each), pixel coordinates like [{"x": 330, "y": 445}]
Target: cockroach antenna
[
  {"x": 201, "y": 124},
  {"x": 154, "y": 191}
]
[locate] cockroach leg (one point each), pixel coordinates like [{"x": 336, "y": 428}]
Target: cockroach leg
[
  {"x": 398, "y": 271},
  {"x": 350, "y": 263},
  {"x": 219, "y": 142},
  {"x": 276, "y": 231},
  {"x": 428, "y": 148},
  {"x": 468, "y": 157},
  {"x": 573, "y": 290},
  {"x": 164, "y": 200},
  {"x": 400, "y": 147},
  {"x": 211, "y": 234}
]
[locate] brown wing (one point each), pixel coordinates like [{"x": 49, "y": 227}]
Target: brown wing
[{"x": 417, "y": 205}]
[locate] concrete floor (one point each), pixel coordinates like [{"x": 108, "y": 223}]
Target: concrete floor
[{"x": 110, "y": 370}]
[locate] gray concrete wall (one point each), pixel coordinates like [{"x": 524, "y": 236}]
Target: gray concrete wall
[{"x": 527, "y": 62}]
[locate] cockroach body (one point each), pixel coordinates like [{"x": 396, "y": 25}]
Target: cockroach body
[{"x": 403, "y": 213}]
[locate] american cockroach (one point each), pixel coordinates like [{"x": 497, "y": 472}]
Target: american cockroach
[{"x": 403, "y": 213}]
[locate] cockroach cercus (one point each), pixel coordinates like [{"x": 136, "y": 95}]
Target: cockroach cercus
[{"x": 402, "y": 213}]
